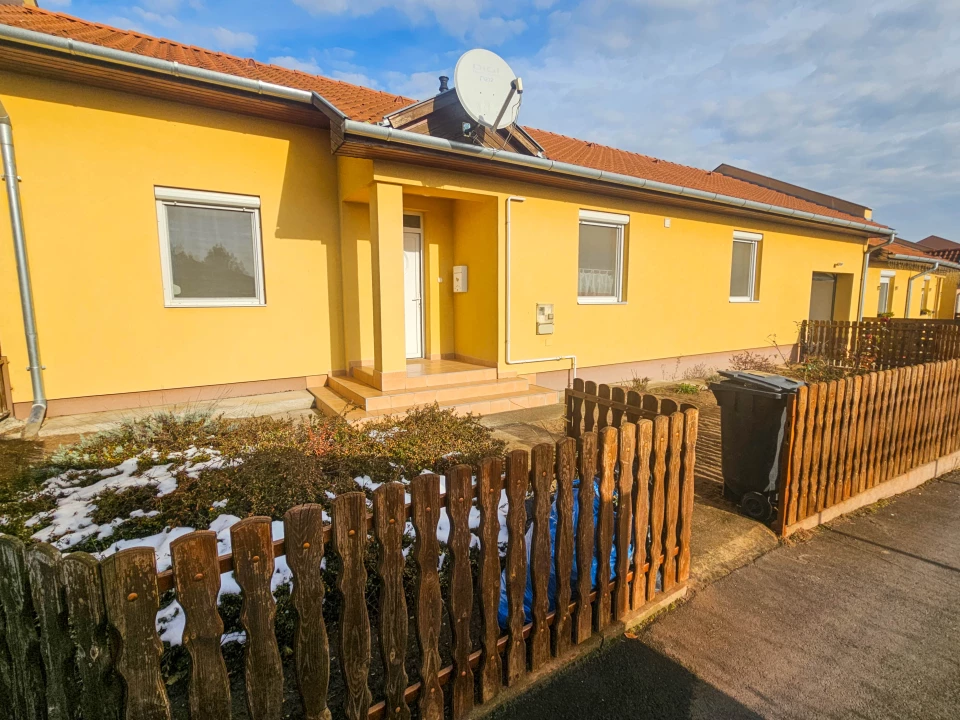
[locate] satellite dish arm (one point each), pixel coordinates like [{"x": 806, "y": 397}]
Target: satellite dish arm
[{"x": 516, "y": 88}]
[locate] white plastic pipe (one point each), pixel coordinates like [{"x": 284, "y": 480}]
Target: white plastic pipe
[
  {"x": 509, "y": 359},
  {"x": 865, "y": 271},
  {"x": 906, "y": 310}
]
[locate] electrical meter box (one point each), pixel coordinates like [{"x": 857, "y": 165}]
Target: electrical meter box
[
  {"x": 545, "y": 319},
  {"x": 459, "y": 278}
]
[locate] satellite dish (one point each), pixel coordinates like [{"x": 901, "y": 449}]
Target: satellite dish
[{"x": 487, "y": 88}]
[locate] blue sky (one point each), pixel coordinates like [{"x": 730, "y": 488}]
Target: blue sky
[{"x": 859, "y": 98}]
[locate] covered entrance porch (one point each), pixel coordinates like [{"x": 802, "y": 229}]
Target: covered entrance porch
[{"x": 412, "y": 336}]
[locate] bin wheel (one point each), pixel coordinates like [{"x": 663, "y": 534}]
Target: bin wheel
[{"x": 757, "y": 506}]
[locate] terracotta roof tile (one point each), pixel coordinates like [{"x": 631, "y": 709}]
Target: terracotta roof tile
[
  {"x": 366, "y": 105},
  {"x": 357, "y": 102},
  {"x": 601, "y": 157}
]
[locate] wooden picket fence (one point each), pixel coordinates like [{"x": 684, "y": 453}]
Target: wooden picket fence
[
  {"x": 848, "y": 436},
  {"x": 590, "y": 406},
  {"x": 78, "y": 636},
  {"x": 879, "y": 344}
]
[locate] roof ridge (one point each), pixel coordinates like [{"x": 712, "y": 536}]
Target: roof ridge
[{"x": 196, "y": 48}]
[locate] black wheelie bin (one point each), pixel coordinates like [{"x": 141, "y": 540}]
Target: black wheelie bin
[{"x": 753, "y": 416}]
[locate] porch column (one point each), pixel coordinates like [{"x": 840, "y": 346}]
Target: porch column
[{"x": 386, "y": 239}]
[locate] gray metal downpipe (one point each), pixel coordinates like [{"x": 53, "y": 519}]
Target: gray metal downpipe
[{"x": 39, "y": 410}]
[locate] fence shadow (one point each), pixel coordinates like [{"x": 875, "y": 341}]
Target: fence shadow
[{"x": 629, "y": 681}]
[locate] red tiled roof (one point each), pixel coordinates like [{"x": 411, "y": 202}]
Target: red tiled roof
[
  {"x": 358, "y": 103},
  {"x": 366, "y": 105},
  {"x": 602, "y": 157},
  {"x": 949, "y": 254},
  {"x": 901, "y": 247}
]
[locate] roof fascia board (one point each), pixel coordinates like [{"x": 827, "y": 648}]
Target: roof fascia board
[{"x": 388, "y": 134}]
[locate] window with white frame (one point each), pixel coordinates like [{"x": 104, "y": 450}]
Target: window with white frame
[
  {"x": 600, "y": 267},
  {"x": 885, "y": 296},
  {"x": 743, "y": 269},
  {"x": 210, "y": 248}
]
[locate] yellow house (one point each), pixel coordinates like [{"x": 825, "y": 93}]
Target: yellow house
[
  {"x": 204, "y": 226},
  {"x": 905, "y": 280}
]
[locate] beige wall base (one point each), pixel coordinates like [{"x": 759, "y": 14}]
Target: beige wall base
[
  {"x": 901, "y": 484},
  {"x": 662, "y": 369},
  {"x": 147, "y": 398}
]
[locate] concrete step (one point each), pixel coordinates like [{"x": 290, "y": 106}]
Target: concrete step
[
  {"x": 371, "y": 399},
  {"x": 330, "y": 403},
  {"x": 475, "y": 373}
]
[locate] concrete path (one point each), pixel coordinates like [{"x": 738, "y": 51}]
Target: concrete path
[{"x": 860, "y": 621}]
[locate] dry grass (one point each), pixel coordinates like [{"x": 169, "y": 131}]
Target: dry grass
[{"x": 277, "y": 464}]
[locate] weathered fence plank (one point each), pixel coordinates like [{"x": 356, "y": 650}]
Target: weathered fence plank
[
  {"x": 303, "y": 532},
  {"x": 563, "y": 552},
  {"x": 26, "y": 681},
  {"x": 624, "y": 519},
  {"x": 389, "y": 520},
  {"x": 641, "y": 512},
  {"x": 608, "y": 462},
  {"x": 253, "y": 568},
  {"x": 488, "y": 502},
  {"x": 350, "y": 542},
  {"x": 132, "y": 601},
  {"x": 587, "y": 470},
  {"x": 690, "y": 428},
  {"x": 672, "y": 501},
  {"x": 661, "y": 431},
  {"x": 45, "y": 571},
  {"x": 517, "y": 480},
  {"x": 460, "y": 597},
  {"x": 197, "y": 578},
  {"x": 101, "y": 695},
  {"x": 541, "y": 474},
  {"x": 425, "y": 494}
]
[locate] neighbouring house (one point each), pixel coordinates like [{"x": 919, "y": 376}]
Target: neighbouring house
[
  {"x": 908, "y": 280},
  {"x": 200, "y": 225}
]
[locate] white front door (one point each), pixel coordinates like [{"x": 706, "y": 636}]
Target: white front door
[{"x": 413, "y": 286}]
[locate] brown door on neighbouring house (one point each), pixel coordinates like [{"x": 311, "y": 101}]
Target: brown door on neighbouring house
[{"x": 823, "y": 293}]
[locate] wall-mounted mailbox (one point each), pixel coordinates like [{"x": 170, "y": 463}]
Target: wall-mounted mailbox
[
  {"x": 545, "y": 319},
  {"x": 459, "y": 278}
]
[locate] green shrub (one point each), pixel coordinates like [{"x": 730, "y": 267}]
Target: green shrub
[{"x": 686, "y": 388}]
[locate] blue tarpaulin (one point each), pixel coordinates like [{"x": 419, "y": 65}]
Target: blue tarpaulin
[{"x": 502, "y": 611}]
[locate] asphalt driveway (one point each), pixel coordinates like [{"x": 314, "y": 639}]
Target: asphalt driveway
[{"x": 860, "y": 621}]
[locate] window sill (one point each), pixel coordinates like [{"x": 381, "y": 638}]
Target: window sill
[
  {"x": 223, "y": 304},
  {"x": 601, "y": 301},
  {"x": 743, "y": 300}
]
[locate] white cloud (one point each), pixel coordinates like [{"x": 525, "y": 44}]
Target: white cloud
[
  {"x": 166, "y": 20},
  {"x": 484, "y": 21},
  {"x": 307, "y": 66},
  {"x": 853, "y": 97},
  {"x": 419, "y": 85},
  {"x": 232, "y": 41}
]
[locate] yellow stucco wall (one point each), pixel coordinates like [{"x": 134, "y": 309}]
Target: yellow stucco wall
[
  {"x": 898, "y": 291},
  {"x": 477, "y": 323},
  {"x": 676, "y": 299},
  {"x": 90, "y": 159}
]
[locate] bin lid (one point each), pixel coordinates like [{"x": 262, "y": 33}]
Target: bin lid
[{"x": 762, "y": 380}]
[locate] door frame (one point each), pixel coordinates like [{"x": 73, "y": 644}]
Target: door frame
[{"x": 423, "y": 309}]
